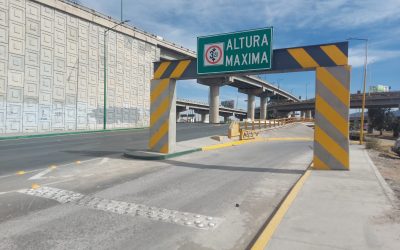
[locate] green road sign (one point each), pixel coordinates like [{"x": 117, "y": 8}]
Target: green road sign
[{"x": 243, "y": 51}]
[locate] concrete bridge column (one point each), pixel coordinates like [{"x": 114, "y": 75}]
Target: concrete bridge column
[
  {"x": 203, "y": 117},
  {"x": 226, "y": 119},
  {"x": 263, "y": 108},
  {"x": 251, "y": 105},
  {"x": 309, "y": 114},
  {"x": 214, "y": 103}
]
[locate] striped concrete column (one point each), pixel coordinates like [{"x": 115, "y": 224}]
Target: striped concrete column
[
  {"x": 332, "y": 102},
  {"x": 163, "y": 116}
]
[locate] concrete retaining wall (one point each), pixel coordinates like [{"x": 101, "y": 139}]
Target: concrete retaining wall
[{"x": 52, "y": 72}]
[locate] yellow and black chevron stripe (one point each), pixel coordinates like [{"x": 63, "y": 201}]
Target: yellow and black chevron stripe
[
  {"x": 332, "y": 102},
  {"x": 172, "y": 69},
  {"x": 283, "y": 60},
  {"x": 311, "y": 57},
  {"x": 160, "y": 108}
]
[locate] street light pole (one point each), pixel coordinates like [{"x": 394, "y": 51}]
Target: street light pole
[
  {"x": 105, "y": 74},
  {"x": 306, "y": 91},
  {"x": 364, "y": 86}
]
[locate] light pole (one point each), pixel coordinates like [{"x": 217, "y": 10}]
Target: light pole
[
  {"x": 364, "y": 86},
  {"x": 105, "y": 73},
  {"x": 306, "y": 91}
]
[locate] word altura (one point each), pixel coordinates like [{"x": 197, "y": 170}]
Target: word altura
[{"x": 246, "y": 42}]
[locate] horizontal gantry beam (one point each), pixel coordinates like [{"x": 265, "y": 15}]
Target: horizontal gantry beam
[{"x": 294, "y": 59}]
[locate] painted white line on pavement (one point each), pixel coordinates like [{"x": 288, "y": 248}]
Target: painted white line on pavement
[
  {"x": 119, "y": 207},
  {"x": 104, "y": 160},
  {"x": 48, "y": 170},
  {"x": 26, "y": 172},
  {"x": 40, "y": 175}
]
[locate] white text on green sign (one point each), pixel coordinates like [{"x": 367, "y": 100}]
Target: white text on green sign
[{"x": 235, "y": 52}]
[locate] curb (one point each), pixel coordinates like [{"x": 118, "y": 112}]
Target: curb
[
  {"x": 159, "y": 156},
  {"x": 267, "y": 230},
  {"x": 156, "y": 157},
  {"x": 385, "y": 186},
  {"x": 5, "y": 138}
]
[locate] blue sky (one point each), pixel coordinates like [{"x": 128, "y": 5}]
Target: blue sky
[{"x": 295, "y": 22}]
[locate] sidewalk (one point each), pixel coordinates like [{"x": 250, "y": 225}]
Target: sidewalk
[{"x": 341, "y": 210}]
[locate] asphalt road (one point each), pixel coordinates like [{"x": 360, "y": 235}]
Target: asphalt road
[
  {"x": 215, "y": 199},
  {"x": 33, "y": 153}
]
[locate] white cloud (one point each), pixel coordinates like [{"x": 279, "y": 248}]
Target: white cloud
[
  {"x": 339, "y": 14},
  {"x": 357, "y": 56}
]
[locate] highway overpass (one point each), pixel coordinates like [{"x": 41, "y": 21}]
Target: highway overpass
[
  {"x": 372, "y": 100},
  {"x": 203, "y": 109}
]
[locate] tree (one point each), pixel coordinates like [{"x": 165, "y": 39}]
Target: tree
[
  {"x": 377, "y": 118},
  {"x": 392, "y": 123}
]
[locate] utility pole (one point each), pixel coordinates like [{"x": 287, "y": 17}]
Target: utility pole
[
  {"x": 306, "y": 90},
  {"x": 364, "y": 86},
  {"x": 121, "y": 10},
  {"x": 105, "y": 71}
]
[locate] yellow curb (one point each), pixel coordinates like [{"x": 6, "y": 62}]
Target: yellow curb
[
  {"x": 227, "y": 144},
  {"x": 235, "y": 143},
  {"x": 35, "y": 186},
  {"x": 289, "y": 139},
  {"x": 266, "y": 235},
  {"x": 21, "y": 172}
]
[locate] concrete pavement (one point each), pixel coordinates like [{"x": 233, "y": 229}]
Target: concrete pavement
[
  {"x": 34, "y": 153},
  {"x": 342, "y": 210},
  {"x": 115, "y": 203}
]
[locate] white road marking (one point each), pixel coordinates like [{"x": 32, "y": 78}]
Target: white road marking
[
  {"x": 40, "y": 175},
  {"x": 104, "y": 160},
  {"x": 48, "y": 170},
  {"x": 26, "y": 172},
  {"x": 119, "y": 207}
]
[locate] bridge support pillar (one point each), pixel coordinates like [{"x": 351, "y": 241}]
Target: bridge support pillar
[
  {"x": 226, "y": 119},
  {"x": 309, "y": 114},
  {"x": 302, "y": 114},
  {"x": 263, "y": 107},
  {"x": 163, "y": 116},
  {"x": 251, "y": 105},
  {"x": 203, "y": 117},
  {"x": 214, "y": 103}
]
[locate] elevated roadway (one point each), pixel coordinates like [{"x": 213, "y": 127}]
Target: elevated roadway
[
  {"x": 203, "y": 109},
  {"x": 372, "y": 100}
]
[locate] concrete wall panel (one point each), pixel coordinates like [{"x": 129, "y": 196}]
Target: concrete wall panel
[{"x": 52, "y": 72}]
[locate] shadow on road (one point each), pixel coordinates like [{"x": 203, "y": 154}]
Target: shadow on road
[{"x": 234, "y": 168}]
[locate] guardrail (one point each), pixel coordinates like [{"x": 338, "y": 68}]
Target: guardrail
[{"x": 249, "y": 130}]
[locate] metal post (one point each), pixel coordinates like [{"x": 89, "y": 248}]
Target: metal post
[
  {"x": 105, "y": 70},
  {"x": 363, "y": 99},
  {"x": 364, "y": 85},
  {"x": 105, "y": 83},
  {"x": 121, "y": 10}
]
